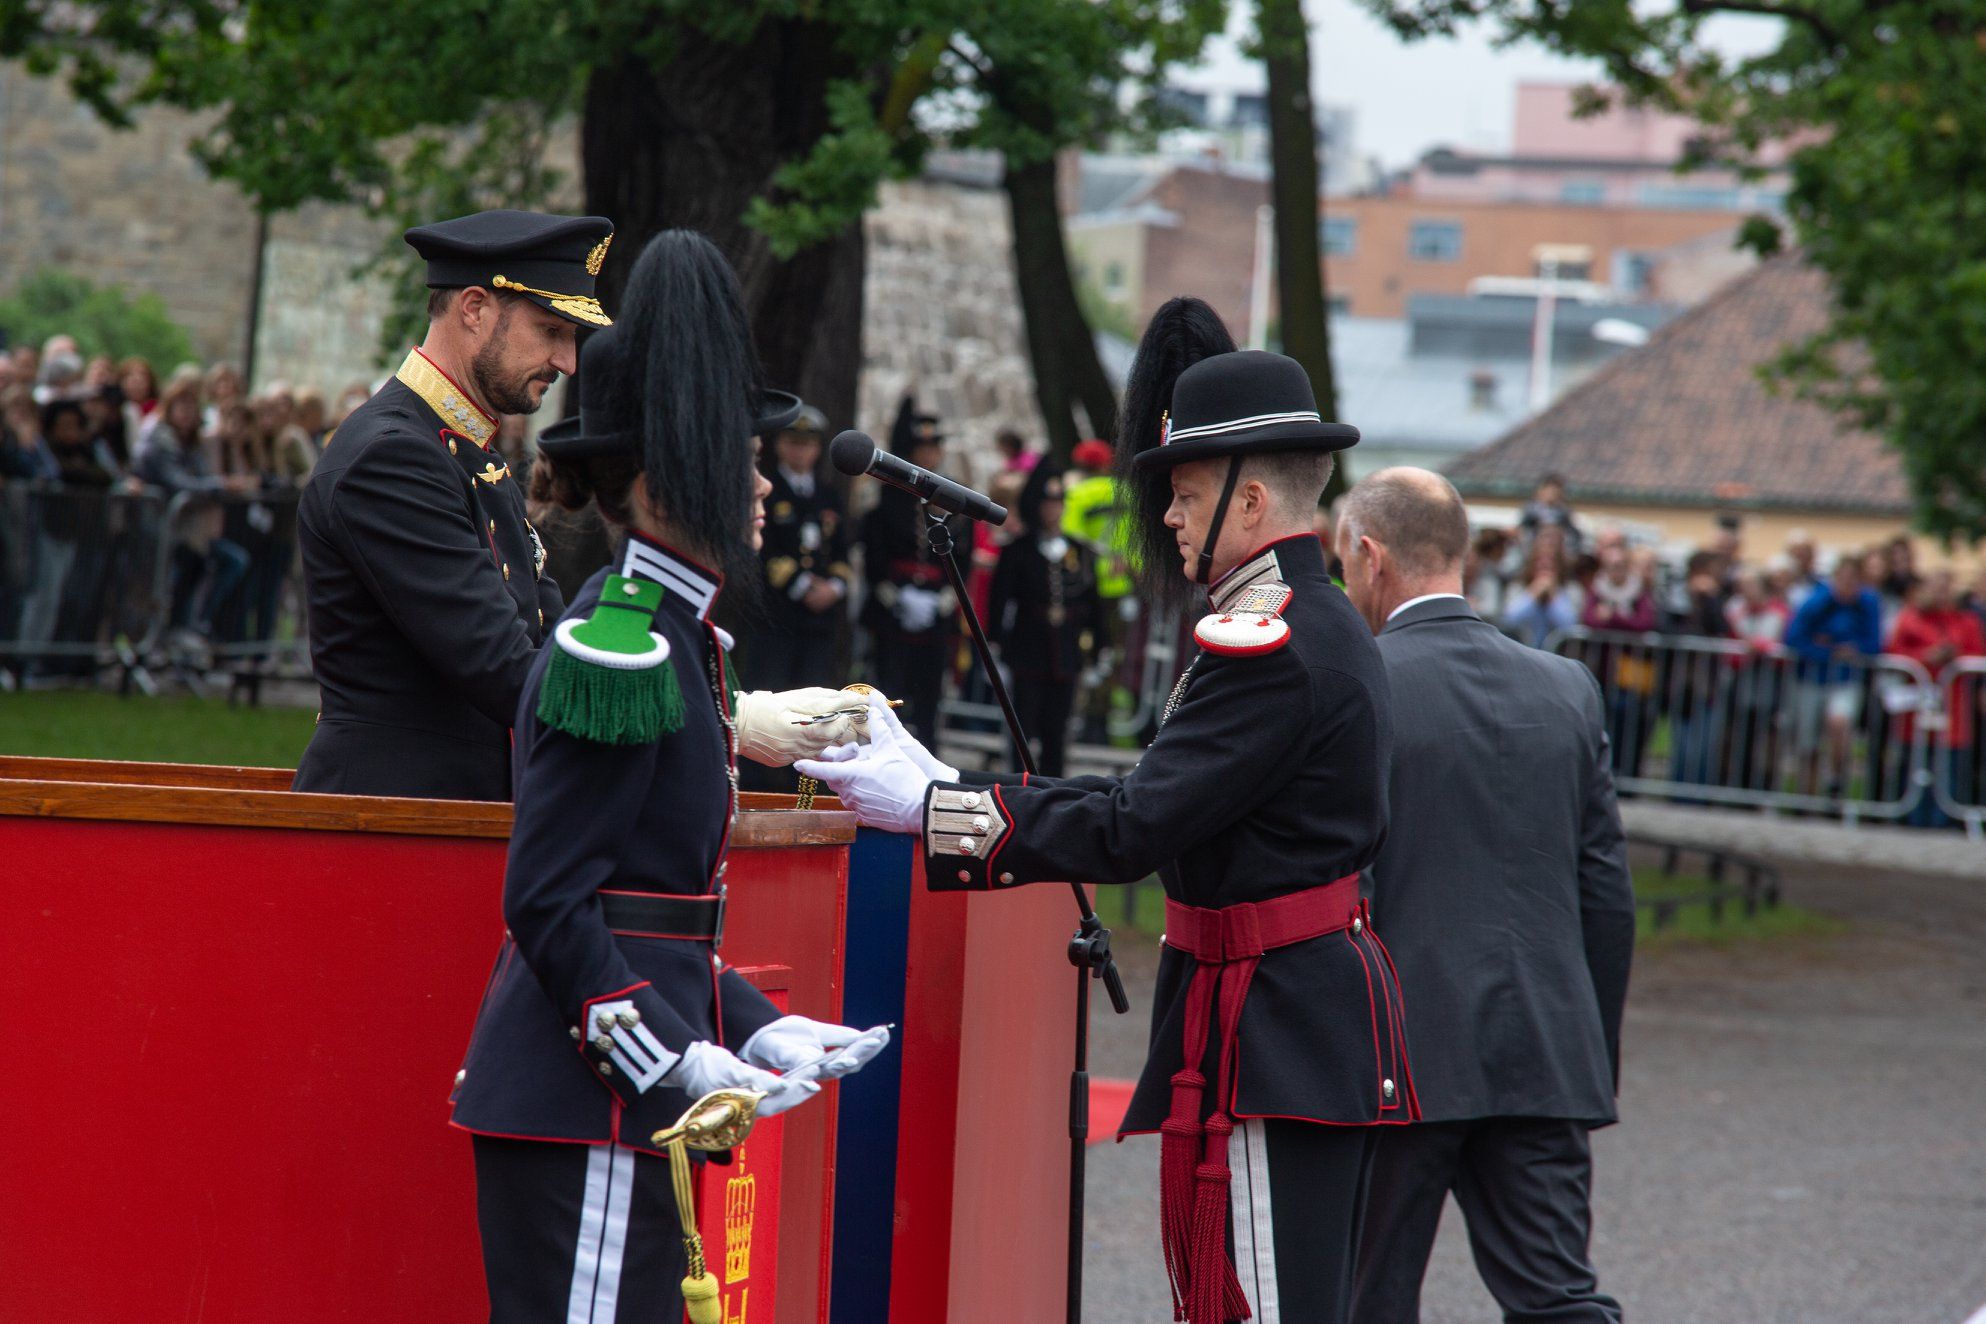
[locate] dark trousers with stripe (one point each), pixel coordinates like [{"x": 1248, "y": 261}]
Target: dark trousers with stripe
[
  {"x": 1524, "y": 1185},
  {"x": 1295, "y": 1208},
  {"x": 578, "y": 1234}
]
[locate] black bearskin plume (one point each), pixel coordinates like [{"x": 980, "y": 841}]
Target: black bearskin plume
[
  {"x": 1180, "y": 334},
  {"x": 691, "y": 379}
]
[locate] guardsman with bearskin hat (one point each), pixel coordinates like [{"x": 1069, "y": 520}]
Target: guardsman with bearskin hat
[
  {"x": 610, "y": 1009},
  {"x": 1277, "y": 1038}
]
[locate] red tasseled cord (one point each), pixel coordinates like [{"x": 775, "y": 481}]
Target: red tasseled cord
[
  {"x": 1178, "y": 1135},
  {"x": 1216, "y": 1295}
]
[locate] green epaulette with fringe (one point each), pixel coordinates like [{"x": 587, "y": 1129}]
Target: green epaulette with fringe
[{"x": 609, "y": 679}]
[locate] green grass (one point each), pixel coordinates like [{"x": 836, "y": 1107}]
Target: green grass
[
  {"x": 1143, "y": 908},
  {"x": 81, "y": 725}
]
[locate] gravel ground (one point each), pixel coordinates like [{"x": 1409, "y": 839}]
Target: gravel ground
[{"x": 1803, "y": 1134}]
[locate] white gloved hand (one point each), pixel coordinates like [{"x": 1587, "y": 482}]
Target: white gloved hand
[
  {"x": 933, "y": 768},
  {"x": 917, "y": 608},
  {"x": 707, "y": 1066},
  {"x": 793, "y": 1042},
  {"x": 772, "y": 728},
  {"x": 879, "y": 781}
]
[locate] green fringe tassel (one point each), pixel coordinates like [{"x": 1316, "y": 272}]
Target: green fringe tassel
[{"x": 608, "y": 705}]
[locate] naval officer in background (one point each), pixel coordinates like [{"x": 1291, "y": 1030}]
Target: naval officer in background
[
  {"x": 1510, "y": 914},
  {"x": 424, "y": 580}
]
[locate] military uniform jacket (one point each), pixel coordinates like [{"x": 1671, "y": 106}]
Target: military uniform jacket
[
  {"x": 649, "y": 818},
  {"x": 896, "y": 554},
  {"x": 1043, "y": 611},
  {"x": 1269, "y": 776},
  {"x": 805, "y": 540},
  {"x": 426, "y": 594}
]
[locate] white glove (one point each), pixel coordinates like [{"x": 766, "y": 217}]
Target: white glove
[
  {"x": 934, "y": 769},
  {"x": 917, "y": 608},
  {"x": 773, "y": 730},
  {"x": 794, "y": 1042},
  {"x": 879, "y": 781},
  {"x": 706, "y": 1067}
]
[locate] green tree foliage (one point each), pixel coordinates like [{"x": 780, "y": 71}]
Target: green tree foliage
[
  {"x": 1885, "y": 103},
  {"x": 102, "y": 318},
  {"x": 442, "y": 107}
]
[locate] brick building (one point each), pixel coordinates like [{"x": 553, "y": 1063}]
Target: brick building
[{"x": 1192, "y": 229}]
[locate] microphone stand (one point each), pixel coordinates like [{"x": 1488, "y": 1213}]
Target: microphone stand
[{"x": 1089, "y": 949}]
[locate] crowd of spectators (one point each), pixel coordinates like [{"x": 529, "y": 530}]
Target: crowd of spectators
[
  {"x": 1789, "y": 693},
  {"x": 92, "y": 450}
]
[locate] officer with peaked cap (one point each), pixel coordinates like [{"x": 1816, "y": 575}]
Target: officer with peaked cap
[
  {"x": 424, "y": 581},
  {"x": 1276, "y": 1026}
]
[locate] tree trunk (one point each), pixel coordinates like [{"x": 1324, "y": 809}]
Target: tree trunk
[
  {"x": 1294, "y": 192},
  {"x": 690, "y": 146},
  {"x": 1061, "y": 348}
]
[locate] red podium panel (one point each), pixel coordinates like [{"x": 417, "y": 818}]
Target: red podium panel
[
  {"x": 230, "y": 1017},
  {"x": 982, "y": 1141}
]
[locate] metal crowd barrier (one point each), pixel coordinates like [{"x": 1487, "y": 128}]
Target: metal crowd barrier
[
  {"x": 1958, "y": 778},
  {"x": 127, "y": 578},
  {"x": 1714, "y": 721}
]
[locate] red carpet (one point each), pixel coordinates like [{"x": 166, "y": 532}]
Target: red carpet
[{"x": 1109, "y": 1099}]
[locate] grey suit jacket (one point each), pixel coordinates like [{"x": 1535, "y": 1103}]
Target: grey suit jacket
[{"x": 1502, "y": 890}]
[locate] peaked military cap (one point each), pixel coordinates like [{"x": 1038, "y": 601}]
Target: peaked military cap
[
  {"x": 550, "y": 260},
  {"x": 1245, "y": 402}
]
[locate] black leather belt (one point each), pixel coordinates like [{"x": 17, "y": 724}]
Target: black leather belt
[{"x": 654, "y": 915}]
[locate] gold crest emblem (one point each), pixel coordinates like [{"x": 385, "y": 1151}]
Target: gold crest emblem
[
  {"x": 494, "y": 473},
  {"x": 598, "y": 256}
]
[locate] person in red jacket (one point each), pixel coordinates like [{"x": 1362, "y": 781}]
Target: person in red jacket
[{"x": 1934, "y": 630}]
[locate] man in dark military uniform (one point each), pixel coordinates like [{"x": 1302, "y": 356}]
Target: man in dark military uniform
[
  {"x": 1277, "y": 1039},
  {"x": 1044, "y": 612},
  {"x": 911, "y": 612},
  {"x": 805, "y": 558},
  {"x": 425, "y": 581}
]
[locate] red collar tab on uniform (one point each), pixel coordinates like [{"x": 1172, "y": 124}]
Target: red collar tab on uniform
[{"x": 695, "y": 584}]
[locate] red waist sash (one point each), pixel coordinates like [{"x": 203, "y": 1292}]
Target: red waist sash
[{"x": 1193, "y": 1197}]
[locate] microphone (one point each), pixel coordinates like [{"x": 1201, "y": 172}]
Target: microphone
[{"x": 855, "y": 453}]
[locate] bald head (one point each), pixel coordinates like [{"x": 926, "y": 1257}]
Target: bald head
[
  {"x": 1403, "y": 534},
  {"x": 1416, "y": 514}
]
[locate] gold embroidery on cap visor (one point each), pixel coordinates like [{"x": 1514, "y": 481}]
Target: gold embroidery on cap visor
[
  {"x": 598, "y": 256},
  {"x": 582, "y": 306}
]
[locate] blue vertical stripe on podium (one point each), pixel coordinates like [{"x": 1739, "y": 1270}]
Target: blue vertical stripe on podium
[{"x": 878, "y": 941}]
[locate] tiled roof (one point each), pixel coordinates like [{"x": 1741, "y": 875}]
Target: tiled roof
[{"x": 1685, "y": 420}]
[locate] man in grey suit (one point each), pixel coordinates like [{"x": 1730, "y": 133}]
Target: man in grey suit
[{"x": 1505, "y": 895}]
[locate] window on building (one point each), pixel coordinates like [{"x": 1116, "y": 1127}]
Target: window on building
[
  {"x": 1564, "y": 270},
  {"x": 1338, "y": 305},
  {"x": 1686, "y": 197},
  {"x": 1251, "y": 110},
  {"x": 1113, "y": 278},
  {"x": 1633, "y": 273},
  {"x": 1582, "y": 193},
  {"x": 1434, "y": 241},
  {"x": 1187, "y": 107},
  {"x": 1338, "y": 236}
]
